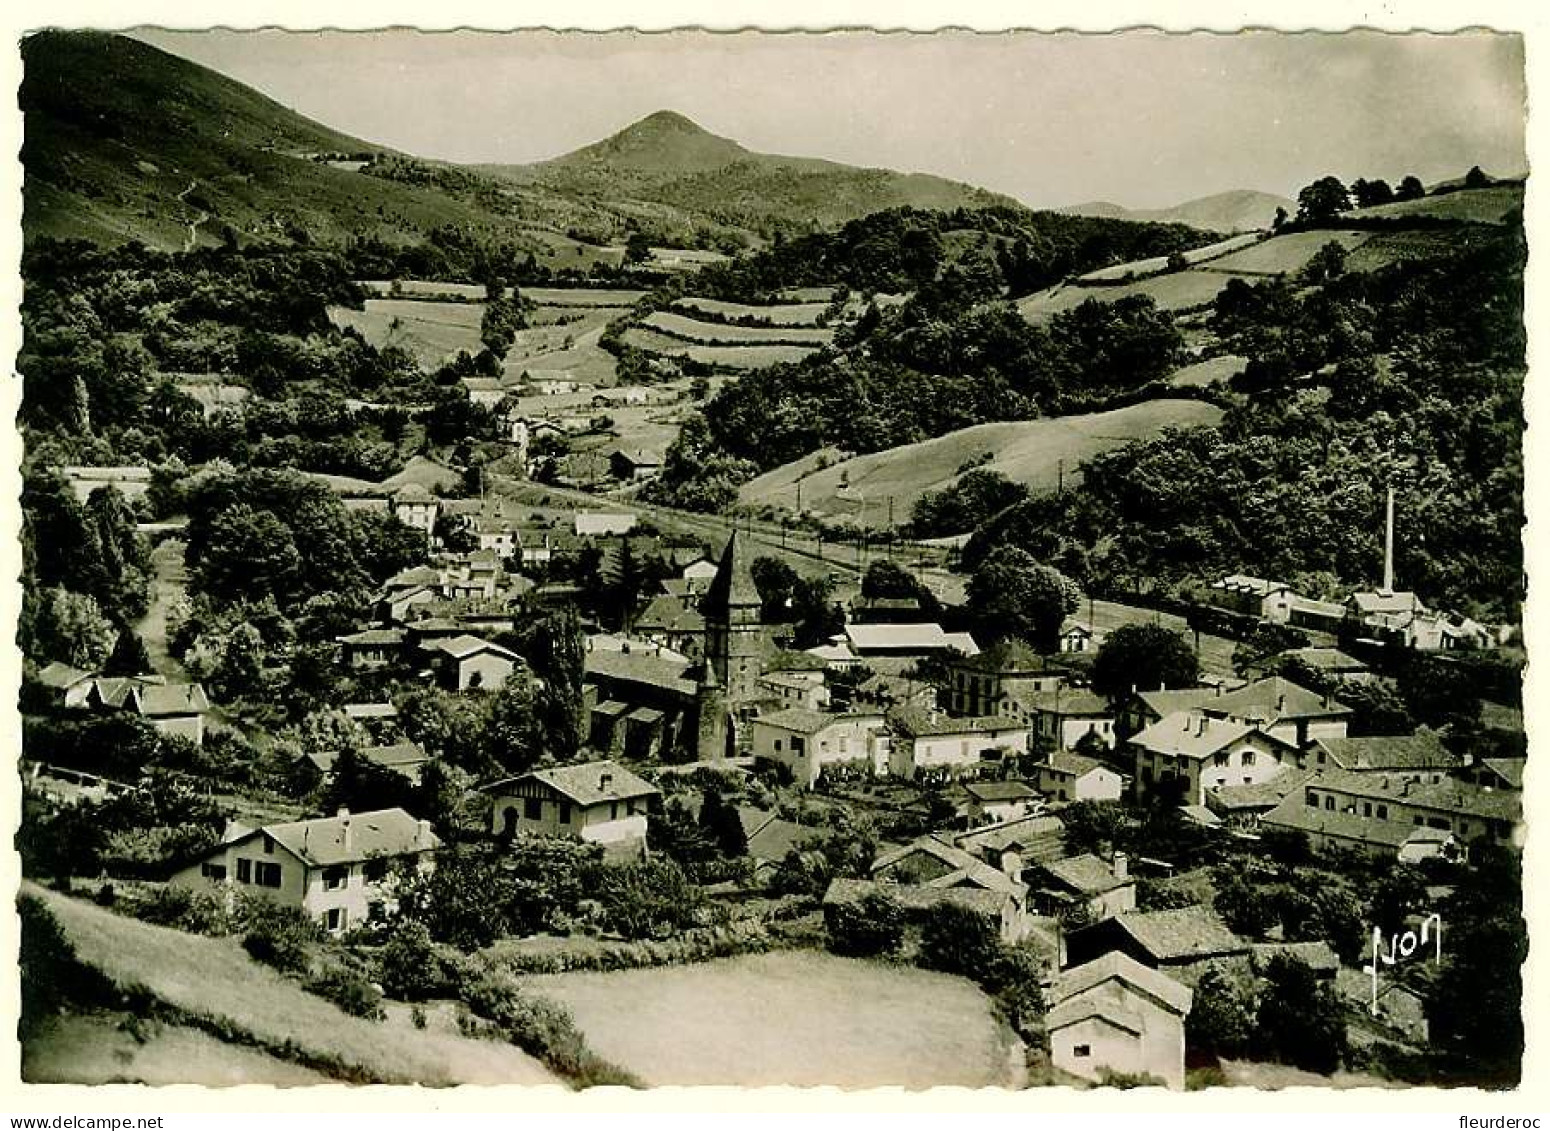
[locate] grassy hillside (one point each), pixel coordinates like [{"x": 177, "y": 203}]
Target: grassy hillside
[
  {"x": 799, "y": 1019},
  {"x": 1027, "y": 451},
  {"x": 123, "y": 141},
  {"x": 668, "y": 161},
  {"x": 214, "y": 981},
  {"x": 1494, "y": 205}
]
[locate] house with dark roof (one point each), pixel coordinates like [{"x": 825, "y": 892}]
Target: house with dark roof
[
  {"x": 68, "y": 686},
  {"x": 984, "y": 684},
  {"x": 1496, "y": 773},
  {"x": 1118, "y": 1015},
  {"x": 991, "y": 802},
  {"x": 930, "y": 864},
  {"x": 1065, "y": 776},
  {"x": 338, "y": 870},
  {"x": 172, "y": 708},
  {"x": 1096, "y": 886},
  {"x": 1450, "y": 805},
  {"x": 598, "y": 802},
  {"x": 1181, "y": 941},
  {"x": 1244, "y": 805},
  {"x": 371, "y": 648},
  {"x": 675, "y": 623},
  {"x": 935, "y": 744},
  {"x": 999, "y": 906},
  {"x": 634, "y": 463},
  {"x": 1064, "y": 717},
  {"x": 1421, "y": 756},
  {"x": 807, "y": 743}
]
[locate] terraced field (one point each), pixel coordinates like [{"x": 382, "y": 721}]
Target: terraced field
[
  {"x": 1143, "y": 267},
  {"x": 718, "y": 333},
  {"x": 751, "y": 356},
  {"x": 789, "y": 314},
  {"x": 1284, "y": 254},
  {"x": 1480, "y": 206}
]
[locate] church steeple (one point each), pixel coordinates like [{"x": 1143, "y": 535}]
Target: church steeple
[{"x": 733, "y": 632}]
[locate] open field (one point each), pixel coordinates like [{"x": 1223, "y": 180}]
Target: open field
[
  {"x": 789, "y": 314},
  {"x": 735, "y": 357},
  {"x": 1285, "y": 254},
  {"x": 797, "y": 1018},
  {"x": 580, "y": 296},
  {"x": 473, "y": 292},
  {"x": 1178, "y": 290},
  {"x": 1202, "y": 373},
  {"x": 104, "y": 1050},
  {"x": 1142, "y": 267},
  {"x": 718, "y": 333},
  {"x": 808, "y": 294},
  {"x": 1480, "y": 206},
  {"x": 215, "y": 979},
  {"x": 1027, "y": 451}
]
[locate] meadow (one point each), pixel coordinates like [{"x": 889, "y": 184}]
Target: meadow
[
  {"x": 717, "y": 333},
  {"x": 1143, "y": 267},
  {"x": 797, "y": 1018},
  {"x": 215, "y": 980},
  {"x": 751, "y": 356},
  {"x": 786, "y": 314},
  {"x": 1027, "y": 451}
]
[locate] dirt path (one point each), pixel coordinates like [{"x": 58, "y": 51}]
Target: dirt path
[
  {"x": 168, "y": 580},
  {"x": 193, "y": 227}
]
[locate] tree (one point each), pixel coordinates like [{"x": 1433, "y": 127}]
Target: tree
[
  {"x": 1300, "y": 1019},
  {"x": 1410, "y": 189},
  {"x": 776, "y": 582},
  {"x": 1011, "y": 594},
  {"x": 637, "y": 248},
  {"x": 1476, "y": 178},
  {"x": 248, "y": 554},
  {"x": 1322, "y": 201},
  {"x": 959, "y": 940},
  {"x": 513, "y": 731},
  {"x": 128, "y": 656},
  {"x": 1243, "y": 907},
  {"x": 1143, "y": 657},
  {"x": 555, "y": 649},
  {"x": 71, "y": 628},
  {"x": 1368, "y": 193},
  {"x": 1327, "y": 263},
  {"x": 869, "y": 927},
  {"x": 722, "y": 825},
  {"x": 1221, "y": 1020}
]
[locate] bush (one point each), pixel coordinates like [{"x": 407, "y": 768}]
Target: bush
[
  {"x": 199, "y": 913},
  {"x": 959, "y": 940},
  {"x": 411, "y": 967},
  {"x": 278, "y": 936},
  {"x": 543, "y": 1029},
  {"x": 871, "y": 926},
  {"x": 349, "y": 990}
]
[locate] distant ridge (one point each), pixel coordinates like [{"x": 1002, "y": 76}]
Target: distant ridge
[{"x": 1237, "y": 210}]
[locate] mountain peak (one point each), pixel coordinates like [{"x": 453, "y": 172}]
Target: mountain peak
[{"x": 664, "y": 141}]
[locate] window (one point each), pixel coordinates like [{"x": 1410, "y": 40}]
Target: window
[
  {"x": 1248, "y": 757},
  {"x": 213, "y": 871},
  {"x": 1081, "y": 1050},
  {"x": 613, "y": 810},
  {"x": 1329, "y": 803},
  {"x": 1383, "y": 812},
  {"x": 796, "y": 745},
  {"x": 777, "y": 746},
  {"x": 336, "y": 918},
  {"x": 336, "y": 877},
  {"x": 374, "y": 871},
  {"x": 1366, "y": 808},
  {"x": 565, "y": 812},
  {"x": 1312, "y": 799},
  {"x": 533, "y": 808},
  {"x": 244, "y": 871},
  {"x": 1221, "y": 759},
  {"x": 268, "y": 845},
  {"x": 267, "y": 875}
]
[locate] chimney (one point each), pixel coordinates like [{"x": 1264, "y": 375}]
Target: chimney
[
  {"x": 1388, "y": 545},
  {"x": 346, "y": 841},
  {"x": 1121, "y": 866},
  {"x": 424, "y": 831},
  {"x": 342, "y": 811}
]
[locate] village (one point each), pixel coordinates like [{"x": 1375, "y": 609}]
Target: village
[{"x": 968, "y": 753}]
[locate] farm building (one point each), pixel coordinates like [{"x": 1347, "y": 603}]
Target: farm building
[
  {"x": 634, "y": 463},
  {"x": 991, "y": 802},
  {"x": 1099, "y": 888},
  {"x": 1116, "y": 1014},
  {"x": 1181, "y": 942}
]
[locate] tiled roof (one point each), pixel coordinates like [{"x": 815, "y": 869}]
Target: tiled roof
[
  {"x": 1377, "y": 601},
  {"x": 733, "y": 586},
  {"x": 799, "y": 720},
  {"x": 918, "y": 897},
  {"x": 1164, "y": 703},
  {"x": 1294, "y": 814},
  {"x": 1085, "y": 874},
  {"x": 962, "y": 866},
  {"x": 1510, "y": 770},
  {"x": 999, "y": 791},
  {"x": 1254, "y": 586},
  {"x": 351, "y": 838},
  {"x": 1181, "y": 733},
  {"x": 373, "y": 636},
  {"x": 1065, "y": 762},
  {"x": 1119, "y": 966},
  {"x": 1420, "y": 751},
  {"x": 61, "y": 676},
  {"x": 640, "y": 667},
  {"x": 1067, "y": 702},
  {"x": 1262, "y": 795},
  {"x": 1274, "y": 699},
  {"x": 160, "y": 701},
  {"x": 918, "y": 723},
  {"x": 1039, "y": 838},
  {"x": 461, "y": 647},
  {"x": 587, "y": 784},
  {"x": 1181, "y": 933},
  {"x": 1449, "y": 795}
]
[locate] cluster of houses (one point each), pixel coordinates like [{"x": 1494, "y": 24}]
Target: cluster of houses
[{"x": 172, "y": 707}]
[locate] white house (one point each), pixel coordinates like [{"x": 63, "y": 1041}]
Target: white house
[
  {"x": 1114, "y": 1013},
  {"x": 600, "y": 802},
  {"x": 806, "y": 742},
  {"x": 336, "y": 869},
  {"x": 932, "y": 742},
  {"x": 1075, "y": 777}
]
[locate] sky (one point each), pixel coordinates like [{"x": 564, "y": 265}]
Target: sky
[{"x": 1144, "y": 119}]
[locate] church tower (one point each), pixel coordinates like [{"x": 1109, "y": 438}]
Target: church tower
[{"x": 733, "y": 645}]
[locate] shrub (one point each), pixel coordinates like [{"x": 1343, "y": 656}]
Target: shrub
[
  {"x": 543, "y": 1029},
  {"x": 959, "y": 940},
  {"x": 199, "y": 913},
  {"x": 871, "y": 926},
  {"x": 349, "y": 990},
  {"x": 278, "y": 936},
  {"x": 411, "y": 967}
]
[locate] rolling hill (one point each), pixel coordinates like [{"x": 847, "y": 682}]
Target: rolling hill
[
  {"x": 1027, "y": 451},
  {"x": 1237, "y": 210},
  {"x": 669, "y": 161},
  {"x": 124, "y": 141}
]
